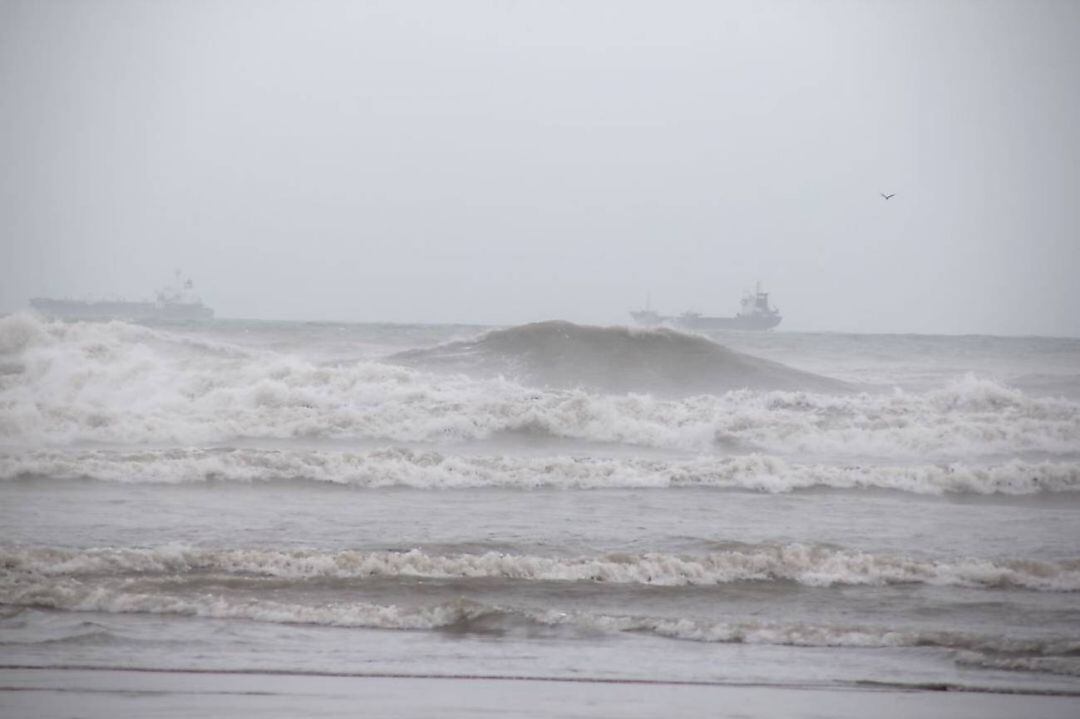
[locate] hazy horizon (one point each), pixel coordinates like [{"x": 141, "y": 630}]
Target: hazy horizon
[
  {"x": 502, "y": 163},
  {"x": 383, "y": 478}
]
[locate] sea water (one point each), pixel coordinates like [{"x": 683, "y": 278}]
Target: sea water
[{"x": 549, "y": 500}]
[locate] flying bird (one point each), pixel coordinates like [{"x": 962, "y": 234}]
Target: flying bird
[{"x": 888, "y": 197}]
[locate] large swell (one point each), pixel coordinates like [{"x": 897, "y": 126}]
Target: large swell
[
  {"x": 613, "y": 359},
  {"x": 65, "y": 384}
]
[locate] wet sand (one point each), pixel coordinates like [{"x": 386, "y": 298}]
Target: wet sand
[{"x": 46, "y": 693}]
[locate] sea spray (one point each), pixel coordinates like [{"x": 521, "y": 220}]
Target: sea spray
[{"x": 116, "y": 383}]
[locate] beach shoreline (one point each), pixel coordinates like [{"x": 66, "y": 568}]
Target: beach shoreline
[{"x": 99, "y": 692}]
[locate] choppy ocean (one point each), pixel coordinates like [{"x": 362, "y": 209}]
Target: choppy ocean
[{"x": 549, "y": 500}]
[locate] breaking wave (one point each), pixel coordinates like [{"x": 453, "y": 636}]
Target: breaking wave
[
  {"x": 1055, "y": 655},
  {"x": 430, "y": 469},
  {"x": 614, "y": 359},
  {"x": 117, "y": 383},
  {"x": 815, "y": 566}
]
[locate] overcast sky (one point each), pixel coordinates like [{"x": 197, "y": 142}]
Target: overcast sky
[{"x": 503, "y": 162}]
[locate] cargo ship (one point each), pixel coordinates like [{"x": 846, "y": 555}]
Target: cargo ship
[
  {"x": 173, "y": 303},
  {"x": 755, "y": 313}
]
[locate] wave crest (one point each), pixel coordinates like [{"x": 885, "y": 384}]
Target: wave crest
[{"x": 614, "y": 359}]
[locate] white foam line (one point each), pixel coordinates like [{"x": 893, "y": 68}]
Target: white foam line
[
  {"x": 116, "y": 383},
  {"x": 391, "y": 467},
  {"x": 808, "y": 565}
]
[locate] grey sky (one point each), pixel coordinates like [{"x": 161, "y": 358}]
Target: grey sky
[{"x": 503, "y": 162}]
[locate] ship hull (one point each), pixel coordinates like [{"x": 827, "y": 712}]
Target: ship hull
[
  {"x": 131, "y": 311},
  {"x": 755, "y": 314},
  {"x": 727, "y": 323}
]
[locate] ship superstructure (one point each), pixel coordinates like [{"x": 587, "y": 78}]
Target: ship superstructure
[
  {"x": 173, "y": 302},
  {"x": 755, "y": 313}
]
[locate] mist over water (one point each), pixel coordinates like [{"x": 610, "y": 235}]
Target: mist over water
[
  {"x": 346, "y": 390},
  {"x": 420, "y": 162}
]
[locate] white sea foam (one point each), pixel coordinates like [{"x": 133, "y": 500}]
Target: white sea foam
[
  {"x": 73, "y": 595},
  {"x": 115, "y": 383},
  {"x": 1003, "y": 652},
  {"x": 822, "y": 635},
  {"x": 1065, "y": 665},
  {"x": 430, "y": 469},
  {"x": 816, "y": 566}
]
